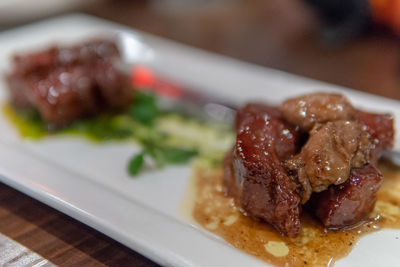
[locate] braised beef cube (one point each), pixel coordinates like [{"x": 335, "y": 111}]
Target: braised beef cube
[
  {"x": 267, "y": 192},
  {"x": 64, "y": 95},
  {"x": 287, "y": 143},
  {"x": 332, "y": 149},
  {"x": 307, "y": 110},
  {"x": 69, "y": 83},
  {"x": 380, "y": 128},
  {"x": 231, "y": 185},
  {"x": 114, "y": 87},
  {"x": 84, "y": 53},
  {"x": 20, "y": 96},
  {"x": 35, "y": 62},
  {"x": 272, "y": 171},
  {"x": 350, "y": 203},
  {"x": 251, "y": 110}
]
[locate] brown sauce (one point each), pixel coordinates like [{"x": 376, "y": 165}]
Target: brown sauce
[{"x": 314, "y": 247}]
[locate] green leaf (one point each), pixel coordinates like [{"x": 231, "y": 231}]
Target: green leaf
[
  {"x": 178, "y": 155},
  {"x": 156, "y": 154},
  {"x": 136, "y": 164},
  {"x": 174, "y": 155},
  {"x": 144, "y": 109}
]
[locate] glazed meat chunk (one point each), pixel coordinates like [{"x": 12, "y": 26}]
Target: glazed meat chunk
[
  {"x": 350, "y": 203},
  {"x": 331, "y": 151},
  {"x": 315, "y": 150},
  {"x": 257, "y": 175},
  {"x": 68, "y": 83},
  {"x": 347, "y": 204},
  {"x": 232, "y": 185},
  {"x": 84, "y": 53},
  {"x": 307, "y": 110},
  {"x": 380, "y": 129}
]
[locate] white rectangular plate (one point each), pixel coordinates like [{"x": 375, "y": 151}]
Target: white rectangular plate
[{"x": 89, "y": 182}]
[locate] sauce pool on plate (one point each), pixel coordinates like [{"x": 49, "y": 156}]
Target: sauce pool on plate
[{"x": 208, "y": 206}]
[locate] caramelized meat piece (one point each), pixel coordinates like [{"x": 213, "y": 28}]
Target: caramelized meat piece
[
  {"x": 350, "y": 203},
  {"x": 336, "y": 167},
  {"x": 287, "y": 143},
  {"x": 251, "y": 110},
  {"x": 84, "y": 53},
  {"x": 307, "y": 110},
  {"x": 232, "y": 186},
  {"x": 344, "y": 205},
  {"x": 380, "y": 129},
  {"x": 331, "y": 151},
  {"x": 68, "y": 83},
  {"x": 266, "y": 191}
]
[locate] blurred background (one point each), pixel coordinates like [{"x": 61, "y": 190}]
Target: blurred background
[{"x": 353, "y": 43}]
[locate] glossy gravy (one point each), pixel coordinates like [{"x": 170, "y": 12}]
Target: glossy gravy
[{"x": 314, "y": 247}]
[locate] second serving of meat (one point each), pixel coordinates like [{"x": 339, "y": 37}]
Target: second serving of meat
[
  {"x": 67, "y": 83},
  {"x": 315, "y": 152}
]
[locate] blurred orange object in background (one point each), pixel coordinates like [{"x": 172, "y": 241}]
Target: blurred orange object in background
[{"x": 387, "y": 12}]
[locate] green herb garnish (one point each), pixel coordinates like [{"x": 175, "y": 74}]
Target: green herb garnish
[
  {"x": 135, "y": 164},
  {"x": 144, "y": 109},
  {"x": 177, "y": 155},
  {"x": 161, "y": 156},
  {"x": 164, "y": 137}
]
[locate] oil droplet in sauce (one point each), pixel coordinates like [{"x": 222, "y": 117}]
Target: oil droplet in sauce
[{"x": 313, "y": 247}]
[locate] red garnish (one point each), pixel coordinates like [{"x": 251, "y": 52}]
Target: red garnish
[{"x": 144, "y": 79}]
